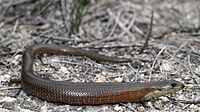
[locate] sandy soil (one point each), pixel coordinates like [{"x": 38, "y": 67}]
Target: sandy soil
[{"x": 114, "y": 28}]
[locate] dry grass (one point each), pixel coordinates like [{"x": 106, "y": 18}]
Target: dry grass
[{"x": 114, "y": 28}]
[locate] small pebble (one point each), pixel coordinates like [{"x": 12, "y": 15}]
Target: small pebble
[
  {"x": 158, "y": 105},
  {"x": 163, "y": 98},
  {"x": 79, "y": 109},
  {"x": 100, "y": 78},
  {"x": 43, "y": 108},
  {"x": 141, "y": 109},
  {"x": 190, "y": 86},
  {"x": 195, "y": 107},
  {"x": 64, "y": 70},
  {"x": 149, "y": 104},
  {"x": 118, "y": 79},
  {"x": 103, "y": 73},
  {"x": 118, "y": 108},
  {"x": 104, "y": 109},
  {"x": 181, "y": 97}
]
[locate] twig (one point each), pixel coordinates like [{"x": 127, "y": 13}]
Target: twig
[
  {"x": 16, "y": 26},
  {"x": 154, "y": 62},
  {"x": 10, "y": 53},
  {"x": 185, "y": 101},
  {"x": 179, "y": 49},
  {"x": 128, "y": 106},
  {"x": 148, "y": 36},
  {"x": 191, "y": 71},
  {"x": 196, "y": 53},
  {"x": 136, "y": 72},
  {"x": 120, "y": 23},
  {"x": 48, "y": 37},
  {"x": 115, "y": 25},
  {"x": 44, "y": 8},
  {"x": 129, "y": 26},
  {"x": 189, "y": 102},
  {"x": 62, "y": 4},
  {"x": 7, "y": 88}
]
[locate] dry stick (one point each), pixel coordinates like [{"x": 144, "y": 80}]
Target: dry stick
[
  {"x": 62, "y": 4},
  {"x": 189, "y": 102},
  {"x": 148, "y": 36},
  {"x": 154, "y": 62},
  {"x": 10, "y": 53},
  {"x": 179, "y": 49},
  {"x": 185, "y": 101},
  {"x": 129, "y": 26},
  {"x": 136, "y": 72},
  {"x": 115, "y": 25},
  {"x": 43, "y": 9},
  {"x": 196, "y": 53},
  {"x": 120, "y": 23},
  {"x": 48, "y": 37},
  {"x": 8, "y": 88},
  {"x": 137, "y": 29},
  {"x": 191, "y": 71},
  {"x": 7, "y": 8},
  {"x": 16, "y": 26},
  {"x": 128, "y": 106}
]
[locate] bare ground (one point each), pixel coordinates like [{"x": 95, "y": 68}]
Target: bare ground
[{"x": 114, "y": 28}]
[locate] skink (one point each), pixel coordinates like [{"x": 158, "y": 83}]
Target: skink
[{"x": 87, "y": 93}]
